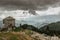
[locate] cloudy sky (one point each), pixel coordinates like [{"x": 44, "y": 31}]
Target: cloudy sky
[
  {"x": 27, "y": 4},
  {"x": 17, "y": 7},
  {"x": 46, "y": 10}
]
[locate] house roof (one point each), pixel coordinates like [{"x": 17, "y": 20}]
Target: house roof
[{"x": 9, "y": 17}]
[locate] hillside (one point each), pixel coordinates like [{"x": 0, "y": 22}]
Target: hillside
[
  {"x": 53, "y": 28},
  {"x": 14, "y": 36},
  {"x": 22, "y": 35},
  {"x": 25, "y": 35},
  {"x": 27, "y": 32}
]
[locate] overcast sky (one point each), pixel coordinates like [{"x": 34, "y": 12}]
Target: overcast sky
[
  {"x": 16, "y": 8},
  {"x": 27, "y": 4}
]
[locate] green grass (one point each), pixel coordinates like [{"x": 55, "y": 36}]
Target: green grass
[
  {"x": 17, "y": 29},
  {"x": 14, "y": 37}
]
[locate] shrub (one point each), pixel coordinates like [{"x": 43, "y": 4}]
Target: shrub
[
  {"x": 1, "y": 39},
  {"x": 17, "y": 29},
  {"x": 28, "y": 32},
  {"x": 13, "y": 38}
]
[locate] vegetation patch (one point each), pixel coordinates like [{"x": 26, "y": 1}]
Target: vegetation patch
[{"x": 14, "y": 37}]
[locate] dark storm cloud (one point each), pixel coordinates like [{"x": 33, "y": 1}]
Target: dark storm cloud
[{"x": 26, "y": 4}]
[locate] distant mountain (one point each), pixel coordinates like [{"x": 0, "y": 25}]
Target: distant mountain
[
  {"x": 51, "y": 29},
  {"x": 29, "y": 27},
  {"x": 40, "y": 21},
  {"x": 53, "y": 26}
]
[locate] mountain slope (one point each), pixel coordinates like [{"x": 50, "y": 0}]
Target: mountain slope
[{"x": 51, "y": 29}]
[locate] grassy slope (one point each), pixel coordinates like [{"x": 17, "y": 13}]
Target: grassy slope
[{"x": 14, "y": 36}]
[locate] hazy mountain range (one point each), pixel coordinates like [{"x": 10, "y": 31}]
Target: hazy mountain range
[{"x": 37, "y": 21}]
